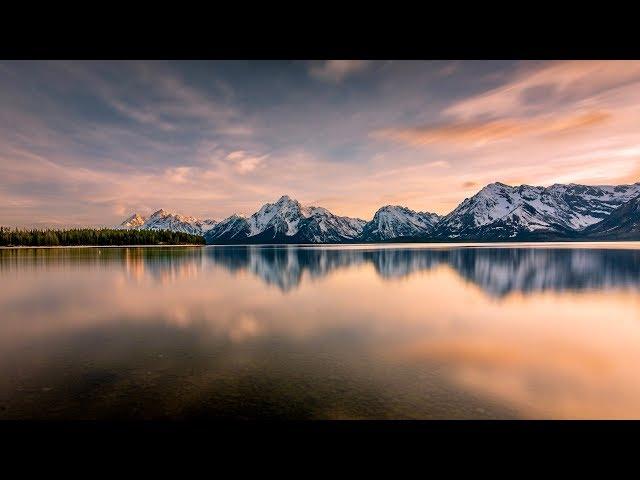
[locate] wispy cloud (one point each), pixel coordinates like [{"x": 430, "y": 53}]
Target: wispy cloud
[
  {"x": 478, "y": 132},
  {"x": 550, "y": 86},
  {"x": 439, "y": 164},
  {"x": 142, "y": 116},
  {"x": 83, "y": 142},
  {"x": 244, "y": 162},
  {"x": 336, "y": 70}
]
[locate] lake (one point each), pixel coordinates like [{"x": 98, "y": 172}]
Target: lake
[{"x": 321, "y": 332}]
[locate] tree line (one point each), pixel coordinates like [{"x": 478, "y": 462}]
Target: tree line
[{"x": 15, "y": 237}]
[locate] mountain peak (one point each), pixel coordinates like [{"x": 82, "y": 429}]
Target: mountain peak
[
  {"x": 393, "y": 221},
  {"x": 133, "y": 221},
  {"x": 395, "y": 207},
  {"x": 498, "y": 211},
  {"x": 285, "y": 199},
  {"x": 134, "y": 216},
  {"x": 165, "y": 220},
  {"x": 496, "y": 186},
  {"x": 160, "y": 213}
]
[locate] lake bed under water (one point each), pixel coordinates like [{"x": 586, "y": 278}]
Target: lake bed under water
[{"x": 321, "y": 332}]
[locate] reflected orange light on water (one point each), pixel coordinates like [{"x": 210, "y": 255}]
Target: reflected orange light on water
[{"x": 544, "y": 351}]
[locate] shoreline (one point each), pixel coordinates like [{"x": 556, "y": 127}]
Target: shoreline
[
  {"x": 610, "y": 244},
  {"x": 530, "y": 244},
  {"x": 98, "y": 246}
]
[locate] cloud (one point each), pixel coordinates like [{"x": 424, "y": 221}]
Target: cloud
[
  {"x": 439, "y": 164},
  {"x": 337, "y": 70},
  {"x": 548, "y": 86},
  {"x": 245, "y": 163},
  {"x": 178, "y": 174},
  {"x": 154, "y": 95},
  {"x": 478, "y": 132},
  {"x": 546, "y": 123},
  {"x": 81, "y": 142},
  {"x": 142, "y": 116},
  {"x": 450, "y": 68},
  {"x": 237, "y": 155}
]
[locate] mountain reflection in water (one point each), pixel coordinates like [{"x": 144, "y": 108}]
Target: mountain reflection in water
[
  {"x": 394, "y": 331},
  {"x": 498, "y": 271}
]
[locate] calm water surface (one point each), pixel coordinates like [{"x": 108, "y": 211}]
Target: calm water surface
[{"x": 397, "y": 331}]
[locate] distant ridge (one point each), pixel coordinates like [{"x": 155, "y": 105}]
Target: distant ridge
[
  {"x": 498, "y": 212},
  {"x": 163, "y": 220}
]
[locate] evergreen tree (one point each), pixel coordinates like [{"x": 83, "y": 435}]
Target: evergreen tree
[{"x": 90, "y": 236}]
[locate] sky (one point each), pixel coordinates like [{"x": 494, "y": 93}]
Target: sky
[{"x": 90, "y": 142}]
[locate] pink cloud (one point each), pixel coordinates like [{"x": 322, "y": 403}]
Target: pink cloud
[
  {"x": 476, "y": 132},
  {"x": 572, "y": 80}
]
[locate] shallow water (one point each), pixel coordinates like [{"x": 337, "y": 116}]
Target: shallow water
[{"x": 396, "y": 331}]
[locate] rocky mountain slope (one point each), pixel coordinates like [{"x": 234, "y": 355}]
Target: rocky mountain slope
[
  {"x": 622, "y": 224},
  {"x": 134, "y": 221},
  {"x": 394, "y": 221},
  {"x": 163, "y": 220},
  {"x": 286, "y": 221},
  {"x": 498, "y": 212},
  {"x": 502, "y": 212}
]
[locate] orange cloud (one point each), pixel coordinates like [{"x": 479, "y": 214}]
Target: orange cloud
[{"x": 480, "y": 132}]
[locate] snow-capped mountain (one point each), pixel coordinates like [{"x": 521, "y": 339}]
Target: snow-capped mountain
[
  {"x": 322, "y": 226},
  {"x": 163, "y": 220},
  {"x": 622, "y": 224},
  {"x": 286, "y": 221},
  {"x": 234, "y": 229},
  {"x": 500, "y": 211},
  {"x": 393, "y": 221},
  {"x": 134, "y": 221}
]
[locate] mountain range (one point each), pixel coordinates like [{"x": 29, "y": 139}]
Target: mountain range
[
  {"x": 498, "y": 212},
  {"x": 163, "y": 220}
]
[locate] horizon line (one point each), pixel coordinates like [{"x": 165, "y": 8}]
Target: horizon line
[{"x": 303, "y": 205}]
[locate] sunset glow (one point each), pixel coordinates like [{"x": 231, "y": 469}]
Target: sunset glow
[{"x": 86, "y": 143}]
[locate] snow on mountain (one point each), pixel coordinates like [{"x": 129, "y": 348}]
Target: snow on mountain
[
  {"x": 497, "y": 212},
  {"x": 163, "y": 220},
  {"x": 282, "y": 216},
  {"x": 134, "y": 221},
  {"x": 206, "y": 225},
  {"x": 502, "y": 211},
  {"x": 319, "y": 225},
  {"x": 286, "y": 221},
  {"x": 233, "y": 229},
  {"x": 622, "y": 224},
  {"x": 393, "y": 221}
]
